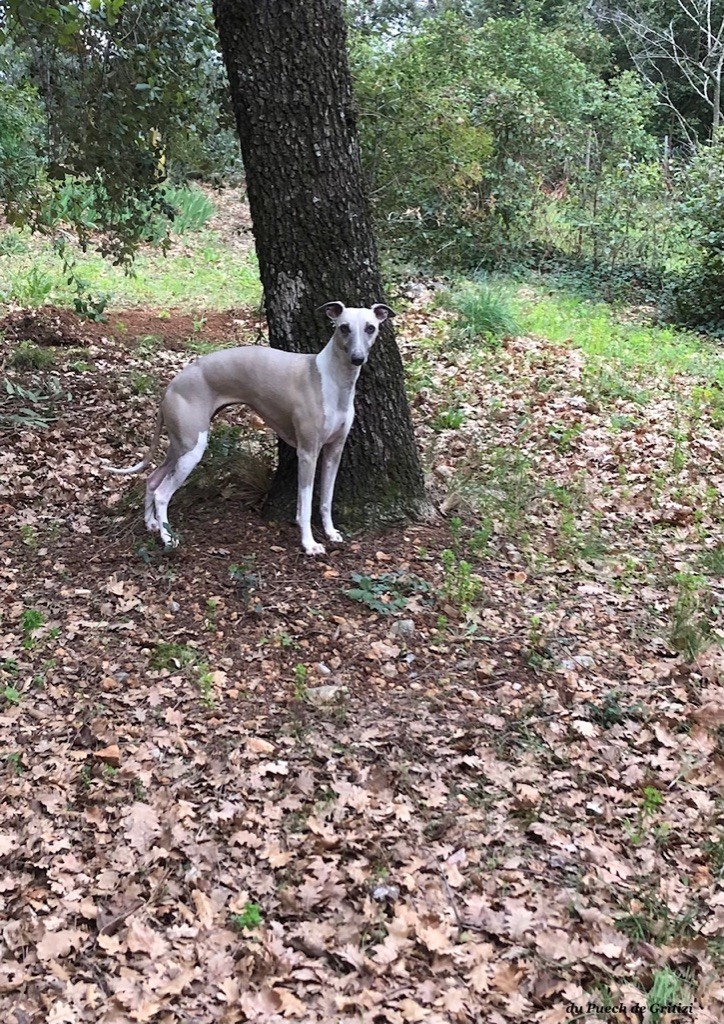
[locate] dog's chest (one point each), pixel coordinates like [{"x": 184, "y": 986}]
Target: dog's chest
[{"x": 338, "y": 406}]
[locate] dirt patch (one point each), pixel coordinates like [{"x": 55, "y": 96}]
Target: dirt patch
[
  {"x": 180, "y": 331},
  {"x": 47, "y": 327}
]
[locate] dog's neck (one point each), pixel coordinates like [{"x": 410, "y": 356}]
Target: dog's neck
[{"x": 335, "y": 368}]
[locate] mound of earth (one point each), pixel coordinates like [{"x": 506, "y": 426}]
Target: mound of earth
[{"x": 47, "y": 326}]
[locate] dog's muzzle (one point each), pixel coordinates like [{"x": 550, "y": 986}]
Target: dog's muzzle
[{"x": 357, "y": 360}]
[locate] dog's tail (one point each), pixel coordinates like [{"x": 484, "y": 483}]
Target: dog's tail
[{"x": 147, "y": 458}]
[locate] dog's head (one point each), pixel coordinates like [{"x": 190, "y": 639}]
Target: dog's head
[{"x": 356, "y": 329}]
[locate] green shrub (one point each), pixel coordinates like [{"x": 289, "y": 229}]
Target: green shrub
[
  {"x": 458, "y": 125},
  {"x": 695, "y": 297},
  {"x": 20, "y": 122}
]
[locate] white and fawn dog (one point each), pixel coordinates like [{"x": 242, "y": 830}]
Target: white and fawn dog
[{"x": 306, "y": 400}]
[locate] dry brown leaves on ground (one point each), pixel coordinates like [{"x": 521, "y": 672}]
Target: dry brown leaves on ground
[{"x": 231, "y": 793}]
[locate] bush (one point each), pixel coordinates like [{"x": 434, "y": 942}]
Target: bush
[
  {"x": 695, "y": 296},
  {"x": 459, "y": 126},
  {"x": 485, "y": 144},
  {"x": 19, "y": 138}
]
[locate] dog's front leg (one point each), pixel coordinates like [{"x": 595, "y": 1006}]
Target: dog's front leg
[
  {"x": 307, "y": 463},
  {"x": 331, "y": 456}
]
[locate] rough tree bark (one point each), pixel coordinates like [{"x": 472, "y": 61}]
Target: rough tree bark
[{"x": 291, "y": 92}]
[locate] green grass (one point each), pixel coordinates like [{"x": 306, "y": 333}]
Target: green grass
[
  {"x": 485, "y": 312},
  {"x": 598, "y": 330},
  {"x": 199, "y": 272}
]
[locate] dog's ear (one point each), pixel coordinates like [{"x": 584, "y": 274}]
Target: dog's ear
[
  {"x": 382, "y": 311},
  {"x": 332, "y": 309}
]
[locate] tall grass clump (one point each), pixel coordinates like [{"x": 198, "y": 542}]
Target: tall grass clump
[
  {"x": 193, "y": 209},
  {"x": 485, "y": 313}
]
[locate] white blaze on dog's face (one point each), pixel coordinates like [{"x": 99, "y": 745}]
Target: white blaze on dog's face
[{"x": 356, "y": 329}]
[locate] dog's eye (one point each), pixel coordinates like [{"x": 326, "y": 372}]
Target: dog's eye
[
  {"x": 344, "y": 328},
  {"x": 370, "y": 329}
]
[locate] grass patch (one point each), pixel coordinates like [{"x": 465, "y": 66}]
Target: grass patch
[
  {"x": 198, "y": 273},
  {"x": 598, "y": 330}
]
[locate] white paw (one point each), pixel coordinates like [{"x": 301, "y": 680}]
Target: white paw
[
  {"x": 314, "y": 549},
  {"x": 335, "y": 536},
  {"x": 170, "y": 540},
  {"x": 152, "y": 525}
]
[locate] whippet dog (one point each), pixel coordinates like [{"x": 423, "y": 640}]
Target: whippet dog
[{"x": 306, "y": 400}]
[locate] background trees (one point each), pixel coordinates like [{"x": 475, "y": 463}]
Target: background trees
[{"x": 548, "y": 133}]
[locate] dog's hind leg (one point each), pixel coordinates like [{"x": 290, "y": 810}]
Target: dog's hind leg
[
  {"x": 154, "y": 481},
  {"x": 177, "y": 471}
]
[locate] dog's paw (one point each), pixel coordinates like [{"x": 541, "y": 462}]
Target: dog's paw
[
  {"x": 153, "y": 525},
  {"x": 335, "y": 536},
  {"x": 315, "y": 549},
  {"x": 170, "y": 540}
]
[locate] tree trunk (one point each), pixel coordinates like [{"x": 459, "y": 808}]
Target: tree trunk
[{"x": 291, "y": 93}]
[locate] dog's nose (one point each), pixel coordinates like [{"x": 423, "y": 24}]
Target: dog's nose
[{"x": 357, "y": 360}]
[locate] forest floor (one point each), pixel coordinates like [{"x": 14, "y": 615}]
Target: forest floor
[{"x": 487, "y": 786}]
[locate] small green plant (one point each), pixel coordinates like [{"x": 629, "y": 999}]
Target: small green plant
[
  {"x": 27, "y": 356},
  {"x": 691, "y": 631},
  {"x": 610, "y": 711},
  {"x": 386, "y": 593},
  {"x": 479, "y": 540},
  {"x": 669, "y": 994},
  {"x": 90, "y": 306},
  {"x": 29, "y": 536},
  {"x": 651, "y": 802},
  {"x": 142, "y": 384},
  {"x": 448, "y": 419},
  {"x": 14, "y": 762},
  {"x": 192, "y": 209},
  {"x": 459, "y": 587},
  {"x": 149, "y": 550},
  {"x": 247, "y": 583},
  {"x": 10, "y": 694},
  {"x": 33, "y": 288},
  {"x": 29, "y": 409},
  {"x": 712, "y": 560},
  {"x": 212, "y": 611},
  {"x": 31, "y": 621},
  {"x": 148, "y": 345},
  {"x": 250, "y": 917},
  {"x": 439, "y": 636},
  {"x": 170, "y": 656},
  {"x": 206, "y": 686},
  {"x": 12, "y": 243},
  {"x": 301, "y": 674},
  {"x": 714, "y": 850}
]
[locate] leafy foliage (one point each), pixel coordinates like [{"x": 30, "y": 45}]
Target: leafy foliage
[
  {"x": 128, "y": 93},
  {"x": 696, "y": 296},
  {"x": 387, "y": 592}
]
